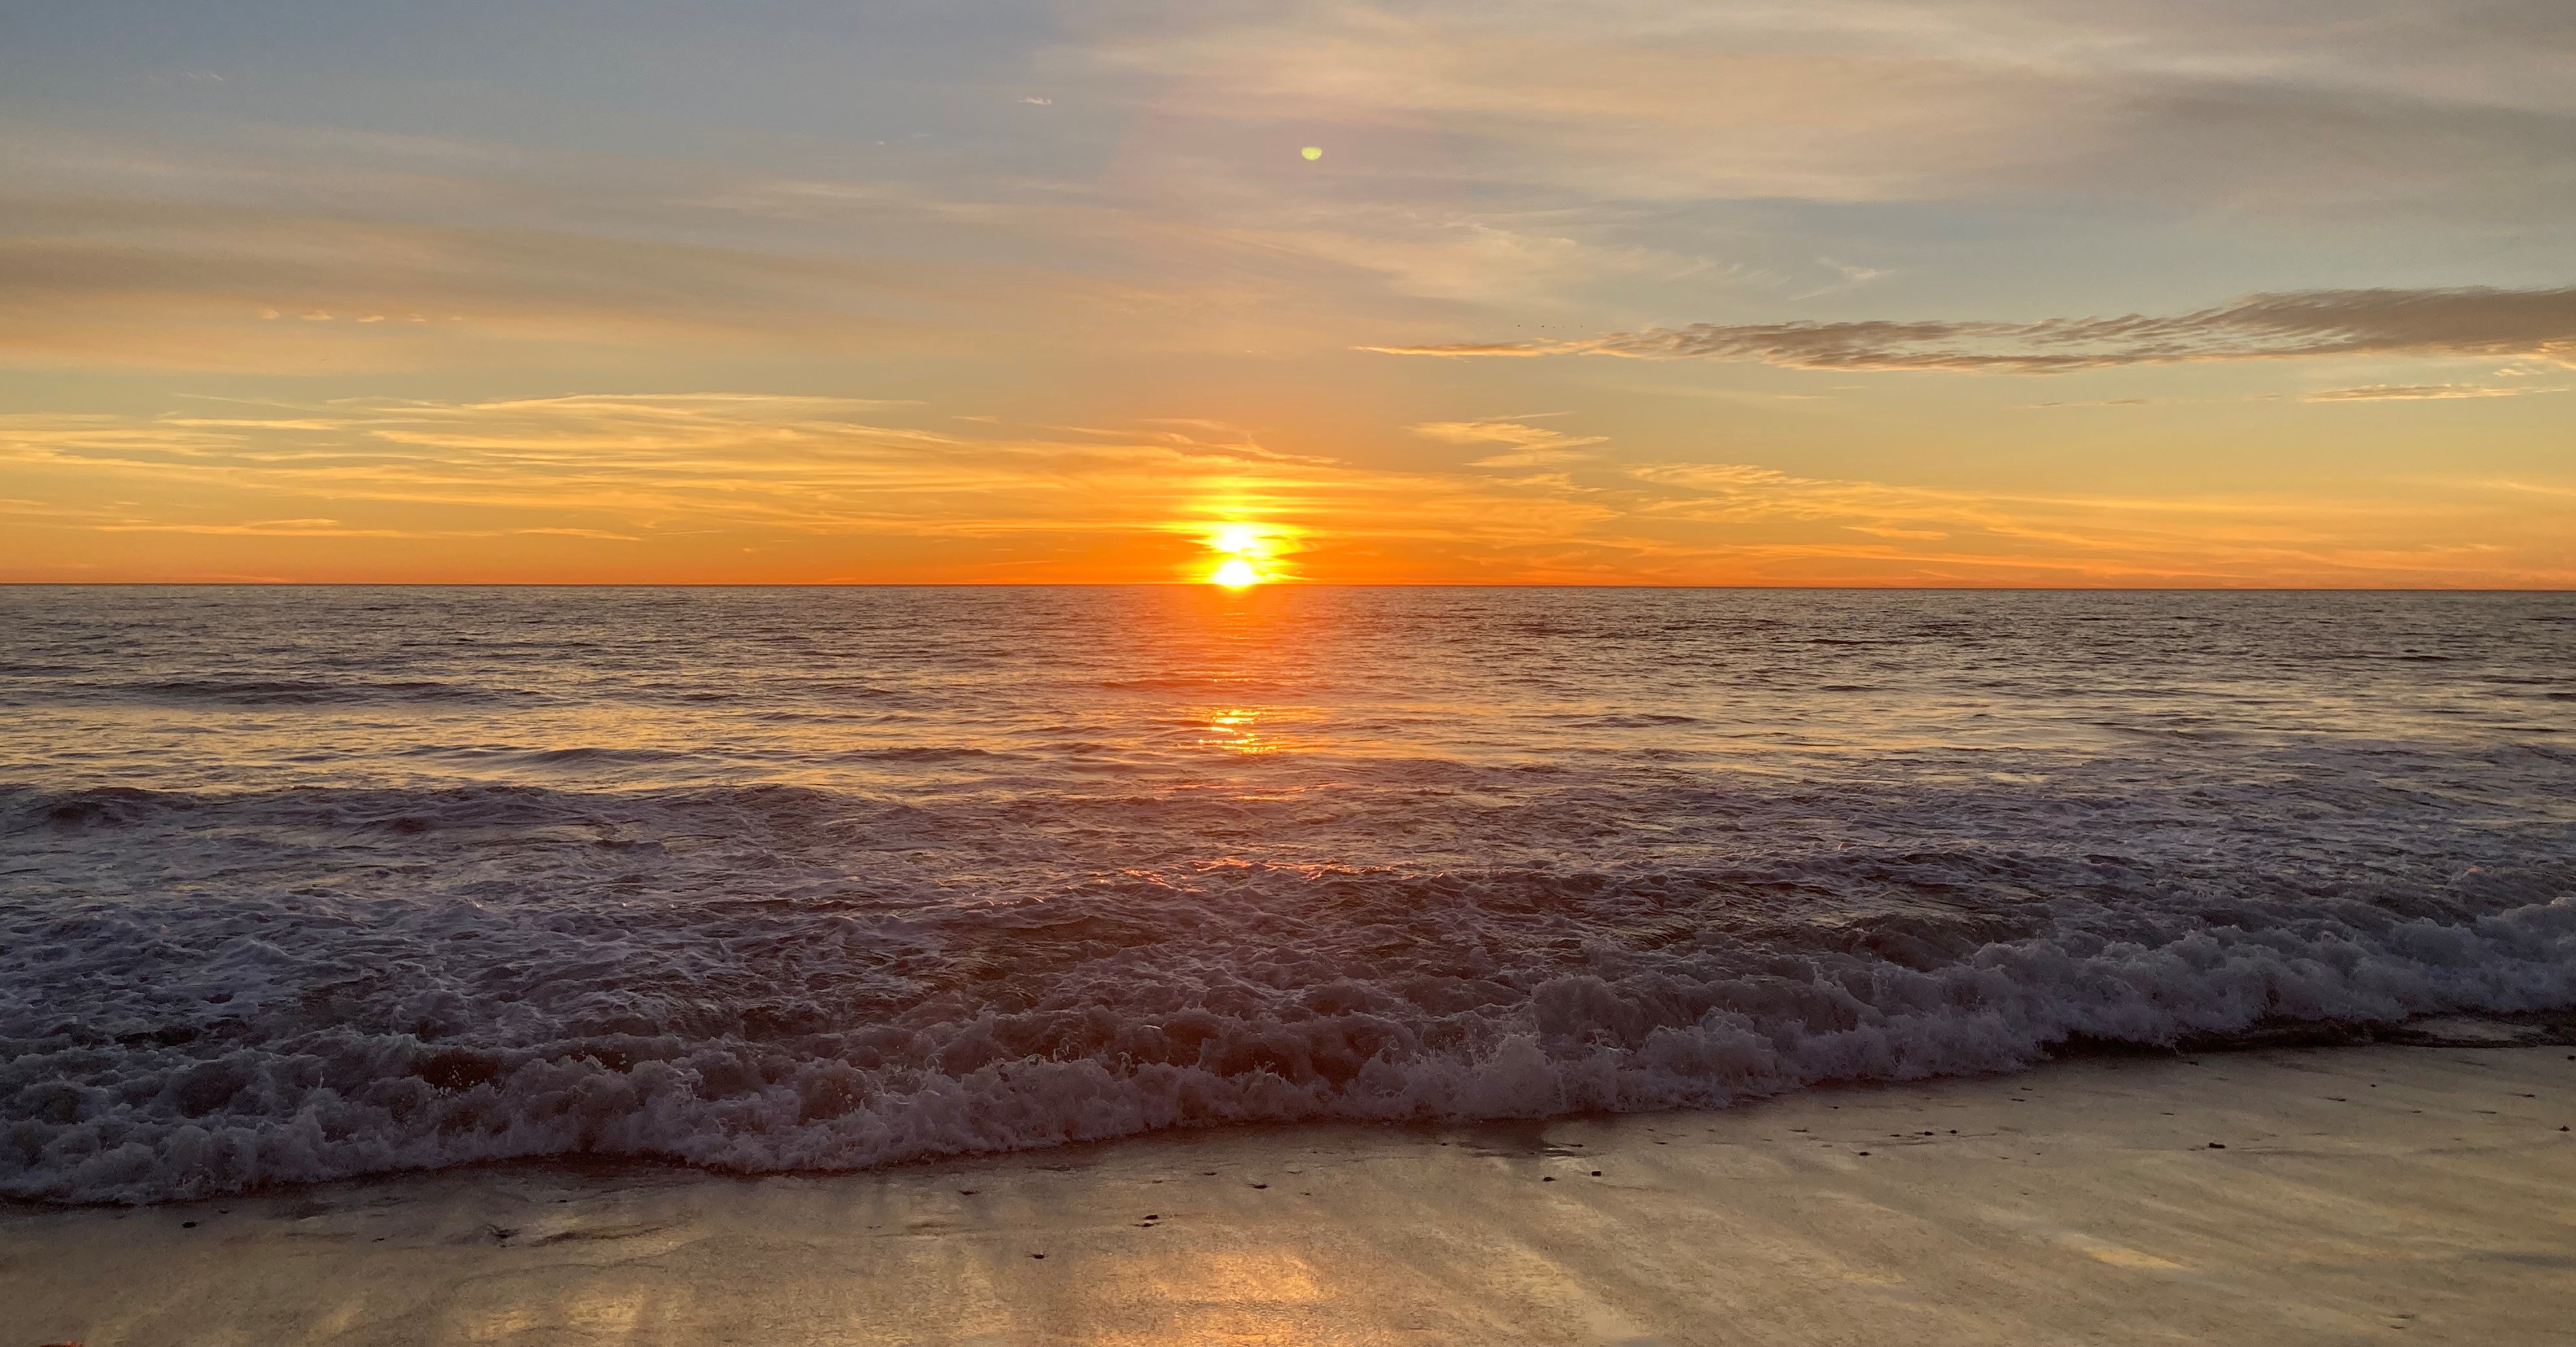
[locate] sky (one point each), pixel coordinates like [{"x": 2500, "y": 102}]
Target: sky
[{"x": 1867, "y": 292}]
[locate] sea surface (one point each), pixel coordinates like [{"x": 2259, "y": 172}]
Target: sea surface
[{"x": 304, "y": 883}]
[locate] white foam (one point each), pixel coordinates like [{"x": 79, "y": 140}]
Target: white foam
[{"x": 143, "y": 1122}]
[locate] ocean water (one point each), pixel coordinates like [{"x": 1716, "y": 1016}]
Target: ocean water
[{"x": 309, "y": 883}]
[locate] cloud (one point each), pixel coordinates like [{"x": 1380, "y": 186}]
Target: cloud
[
  {"x": 1853, "y": 277},
  {"x": 2282, "y": 106},
  {"x": 1530, "y": 446},
  {"x": 582, "y": 533},
  {"x": 2530, "y": 488},
  {"x": 189, "y": 285},
  {"x": 1766, "y": 521},
  {"x": 273, "y": 250},
  {"x": 257, "y": 255},
  {"x": 2469, "y": 321},
  {"x": 700, "y": 487},
  {"x": 270, "y": 528},
  {"x": 1506, "y": 152},
  {"x": 2421, "y": 392},
  {"x": 678, "y": 473}
]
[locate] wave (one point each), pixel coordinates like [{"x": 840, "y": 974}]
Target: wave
[
  {"x": 28, "y": 807},
  {"x": 917, "y": 753},
  {"x": 169, "y": 1123},
  {"x": 303, "y": 692},
  {"x": 757, "y": 979}
]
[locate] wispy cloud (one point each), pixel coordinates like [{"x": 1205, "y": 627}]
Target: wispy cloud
[
  {"x": 745, "y": 486},
  {"x": 1852, "y": 278},
  {"x": 1528, "y": 446},
  {"x": 700, "y": 477},
  {"x": 2280, "y": 107},
  {"x": 2470, "y": 321},
  {"x": 2424, "y": 392},
  {"x": 274, "y": 528},
  {"x": 1766, "y": 521}
]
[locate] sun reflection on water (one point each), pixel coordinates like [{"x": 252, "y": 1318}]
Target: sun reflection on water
[{"x": 1238, "y": 730}]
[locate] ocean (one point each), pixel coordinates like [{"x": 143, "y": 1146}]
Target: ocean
[{"x": 310, "y": 883}]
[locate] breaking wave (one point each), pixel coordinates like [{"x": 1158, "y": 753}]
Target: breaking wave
[{"x": 682, "y": 977}]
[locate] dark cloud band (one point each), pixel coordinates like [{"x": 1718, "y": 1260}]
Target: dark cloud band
[{"x": 2470, "y": 321}]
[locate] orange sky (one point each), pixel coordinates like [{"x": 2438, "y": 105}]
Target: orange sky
[{"x": 1869, "y": 293}]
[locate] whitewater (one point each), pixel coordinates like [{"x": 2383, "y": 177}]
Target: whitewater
[{"x": 309, "y": 883}]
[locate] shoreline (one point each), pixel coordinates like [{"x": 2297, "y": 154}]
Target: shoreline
[{"x": 2414, "y": 1193}]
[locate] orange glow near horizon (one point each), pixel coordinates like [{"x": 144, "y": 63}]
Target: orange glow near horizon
[{"x": 1246, "y": 550}]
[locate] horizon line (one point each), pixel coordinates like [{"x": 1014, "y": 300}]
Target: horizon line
[{"x": 1273, "y": 585}]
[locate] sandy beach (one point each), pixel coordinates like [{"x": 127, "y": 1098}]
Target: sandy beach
[{"x": 2339, "y": 1195}]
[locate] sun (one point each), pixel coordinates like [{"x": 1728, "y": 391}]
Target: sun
[{"x": 1245, "y": 553}]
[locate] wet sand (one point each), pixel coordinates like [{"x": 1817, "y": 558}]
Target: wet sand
[{"x": 2398, "y": 1194}]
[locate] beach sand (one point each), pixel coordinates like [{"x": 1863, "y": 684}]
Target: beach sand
[{"x": 2399, "y": 1194}]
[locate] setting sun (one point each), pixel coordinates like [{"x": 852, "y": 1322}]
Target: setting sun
[{"x": 1247, "y": 554}]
